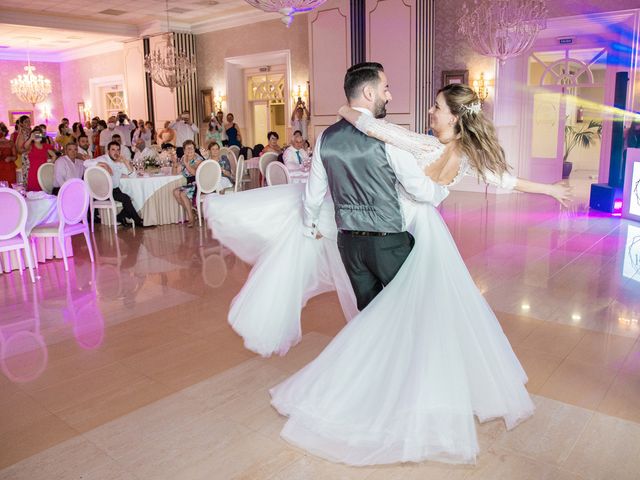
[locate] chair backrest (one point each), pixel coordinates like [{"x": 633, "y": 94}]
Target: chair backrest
[
  {"x": 45, "y": 176},
  {"x": 239, "y": 173},
  {"x": 277, "y": 174},
  {"x": 235, "y": 149},
  {"x": 249, "y": 153},
  {"x": 14, "y": 213},
  {"x": 73, "y": 202},
  {"x": 99, "y": 183},
  {"x": 224, "y": 151},
  {"x": 265, "y": 160},
  {"x": 207, "y": 176},
  {"x": 233, "y": 160}
]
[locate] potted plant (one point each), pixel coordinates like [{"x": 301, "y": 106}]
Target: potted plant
[{"x": 585, "y": 136}]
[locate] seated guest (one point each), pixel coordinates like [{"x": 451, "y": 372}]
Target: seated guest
[
  {"x": 117, "y": 166},
  {"x": 227, "y": 179},
  {"x": 68, "y": 166},
  {"x": 125, "y": 152},
  {"x": 186, "y": 195},
  {"x": 272, "y": 146},
  {"x": 84, "y": 147},
  {"x": 142, "y": 151},
  {"x": 8, "y": 156},
  {"x": 295, "y": 156},
  {"x": 64, "y": 136}
]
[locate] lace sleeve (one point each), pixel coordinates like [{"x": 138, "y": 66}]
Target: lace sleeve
[
  {"x": 506, "y": 181},
  {"x": 412, "y": 142}
]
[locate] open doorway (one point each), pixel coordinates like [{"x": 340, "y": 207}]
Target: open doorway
[
  {"x": 266, "y": 97},
  {"x": 567, "y": 91}
]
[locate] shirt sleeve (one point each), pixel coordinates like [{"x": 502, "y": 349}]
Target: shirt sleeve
[
  {"x": 314, "y": 193},
  {"x": 59, "y": 173},
  {"x": 420, "y": 187}
]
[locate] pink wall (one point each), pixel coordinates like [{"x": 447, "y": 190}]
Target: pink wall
[
  {"x": 76, "y": 75},
  {"x": 9, "y": 69}
]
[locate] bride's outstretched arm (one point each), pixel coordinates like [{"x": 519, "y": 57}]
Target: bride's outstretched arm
[{"x": 559, "y": 191}]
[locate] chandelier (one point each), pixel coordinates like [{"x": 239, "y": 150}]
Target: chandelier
[
  {"x": 502, "y": 28},
  {"x": 167, "y": 65},
  {"x": 286, "y": 8},
  {"x": 29, "y": 87}
]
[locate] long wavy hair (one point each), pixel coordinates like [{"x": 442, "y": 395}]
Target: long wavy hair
[{"x": 475, "y": 134}]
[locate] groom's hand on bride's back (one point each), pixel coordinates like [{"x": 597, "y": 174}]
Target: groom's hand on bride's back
[{"x": 318, "y": 235}]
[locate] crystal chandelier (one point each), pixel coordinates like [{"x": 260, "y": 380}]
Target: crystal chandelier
[
  {"x": 168, "y": 66},
  {"x": 29, "y": 87},
  {"x": 502, "y": 28},
  {"x": 286, "y": 8}
]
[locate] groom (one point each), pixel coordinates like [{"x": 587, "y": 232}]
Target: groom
[{"x": 365, "y": 176}]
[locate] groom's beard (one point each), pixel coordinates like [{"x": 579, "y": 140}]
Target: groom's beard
[{"x": 380, "y": 108}]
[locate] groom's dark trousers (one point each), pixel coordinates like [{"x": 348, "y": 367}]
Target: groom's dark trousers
[{"x": 372, "y": 260}]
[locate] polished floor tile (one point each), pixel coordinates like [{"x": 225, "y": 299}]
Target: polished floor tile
[{"x": 129, "y": 370}]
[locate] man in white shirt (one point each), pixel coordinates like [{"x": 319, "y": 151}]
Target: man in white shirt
[
  {"x": 295, "y": 155},
  {"x": 117, "y": 166},
  {"x": 124, "y": 130},
  {"x": 84, "y": 148},
  {"x": 124, "y": 151},
  {"x": 185, "y": 130},
  {"x": 106, "y": 135},
  {"x": 141, "y": 151},
  {"x": 68, "y": 166},
  {"x": 366, "y": 178}
]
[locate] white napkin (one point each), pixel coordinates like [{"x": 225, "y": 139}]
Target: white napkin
[{"x": 37, "y": 195}]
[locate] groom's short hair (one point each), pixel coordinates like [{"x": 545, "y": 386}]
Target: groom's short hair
[{"x": 359, "y": 75}]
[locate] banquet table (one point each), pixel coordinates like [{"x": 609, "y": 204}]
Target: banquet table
[
  {"x": 152, "y": 197},
  {"x": 41, "y": 209}
]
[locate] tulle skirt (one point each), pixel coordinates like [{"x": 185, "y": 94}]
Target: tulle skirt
[{"x": 405, "y": 377}]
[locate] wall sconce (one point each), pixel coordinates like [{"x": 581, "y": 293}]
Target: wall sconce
[
  {"x": 481, "y": 87},
  {"x": 299, "y": 92},
  {"x": 217, "y": 101}
]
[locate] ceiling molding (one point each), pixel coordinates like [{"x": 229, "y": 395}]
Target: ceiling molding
[
  {"x": 66, "y": 22},
  {"x": 223, "y": 23},
  {"x": 91, "y": 50}
]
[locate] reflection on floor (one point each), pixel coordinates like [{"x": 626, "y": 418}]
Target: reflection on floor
[{"x": 128, "y": 369}]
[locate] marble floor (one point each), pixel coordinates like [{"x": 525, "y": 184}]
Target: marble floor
[{"x": 128, "y": 370}]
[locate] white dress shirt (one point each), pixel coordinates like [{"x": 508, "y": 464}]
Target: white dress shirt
[
  {"x": 125, "y": 152},
  {"x": 125, "y": 133},
  {"x": 82, "y": 151},
  {"x": 118, "y": 168},
  {"x": 294, "y": 158},
  {"x": 147, "y": 152},
  {"x": 105, "y": 136},
  {"x": 417, "y": 186},
  {"x": 184, "y": 132},
  {"x": 65, "y": 169}
]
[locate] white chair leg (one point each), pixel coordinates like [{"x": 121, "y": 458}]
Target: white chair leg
[
  {"x": 115, "y": 220},
  {"x": 86, "y": 237},
  {"x": 198, "y": 205},
  {"x": 92, "y": 210},
  {"x": 64, "y": 252},
  {"x": 29, "y": 259}
]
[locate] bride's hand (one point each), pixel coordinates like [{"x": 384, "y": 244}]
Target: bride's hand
[{"x": 561, "y": 192}]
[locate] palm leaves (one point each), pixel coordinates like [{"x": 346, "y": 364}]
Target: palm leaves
[{"x": 585, "y": 136}]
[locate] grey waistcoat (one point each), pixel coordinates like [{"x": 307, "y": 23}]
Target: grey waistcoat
[{"x": 361, "y": 181}]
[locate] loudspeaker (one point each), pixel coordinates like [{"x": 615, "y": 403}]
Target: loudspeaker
[
  {"x": 603, "y": 197},
  {"x": 616, "y": 165}
]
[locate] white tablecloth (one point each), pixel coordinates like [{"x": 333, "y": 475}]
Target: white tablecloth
[
  {"x": 152, "y": 197},
  {"x": 41, "y": 209}
]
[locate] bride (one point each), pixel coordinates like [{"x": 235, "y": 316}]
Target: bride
[{"x": 404, "y": 379}]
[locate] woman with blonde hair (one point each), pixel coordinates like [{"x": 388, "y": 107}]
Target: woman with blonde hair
[{"x": 405, "y": 379}]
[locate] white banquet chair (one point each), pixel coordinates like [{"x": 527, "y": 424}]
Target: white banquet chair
[
  {"x": 277, "y": 174},
  {"x": 240, "y": 178},
  {"x": 233, "y": 160},
  {"x": 101, "y": 194},
  {"x": 12, "y": 227},
  {"x": 73, "y": 202},
  {"x": 45, "y": 177},
  {"x": 207, "y": 178},
  {"x": 265, "y": 160},
  {"x": 235, "y": 149}
]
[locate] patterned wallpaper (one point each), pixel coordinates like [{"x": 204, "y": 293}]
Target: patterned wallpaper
[{"x": 9, "y": 69}]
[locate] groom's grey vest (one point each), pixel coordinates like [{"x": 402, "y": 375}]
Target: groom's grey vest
[{"x": 361, "y": 181}]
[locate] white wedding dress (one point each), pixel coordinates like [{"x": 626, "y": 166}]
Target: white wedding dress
[{"x": 405, "y": 377}]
